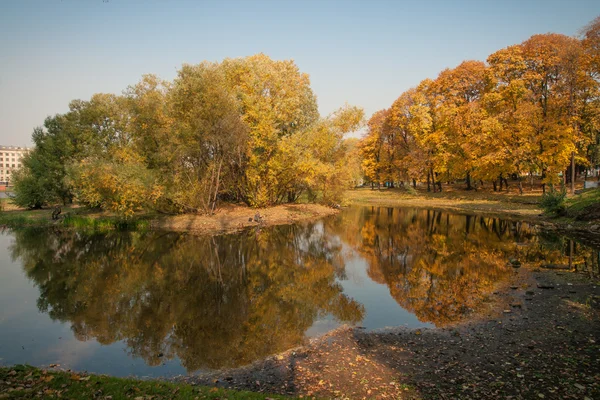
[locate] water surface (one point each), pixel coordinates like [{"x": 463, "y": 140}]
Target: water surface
[{"x": 164, "y": 303}]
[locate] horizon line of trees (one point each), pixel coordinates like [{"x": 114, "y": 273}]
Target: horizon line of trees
[
  {"x": 531, "y": 109},
  {"x": 241, "y": 130}
]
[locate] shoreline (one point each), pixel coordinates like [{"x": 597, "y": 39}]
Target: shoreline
[
  {"x": 228, "y": 219},
  {"x": 525, "y": 209},
  {"x": 234, "y": 218}
]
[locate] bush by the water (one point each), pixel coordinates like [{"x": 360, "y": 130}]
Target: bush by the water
[
  {"x": 553, "y": 201},
  {"x": 410, "y": 190}
]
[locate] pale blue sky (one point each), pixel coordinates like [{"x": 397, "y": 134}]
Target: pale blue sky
[{"x": 365, "y": 53}]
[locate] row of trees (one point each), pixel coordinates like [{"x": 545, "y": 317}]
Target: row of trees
[
  {"x": 242, "y": 130},
  {"x": 533, "y": 108}
]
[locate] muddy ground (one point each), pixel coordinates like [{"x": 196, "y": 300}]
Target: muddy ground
[
  {"x": 537, "y": 338},
  {"x": 232, "y": 218}
]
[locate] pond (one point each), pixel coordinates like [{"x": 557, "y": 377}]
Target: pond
[{"x": 165, "y": 303}]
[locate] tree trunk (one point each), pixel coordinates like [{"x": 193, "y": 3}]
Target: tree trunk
[
  {"x": 495, "y": 184},
  {"x": 543, "y": 183},
  {"x": 468, "y": 180},
  {"x": 433, "y": 180},
  {"x": 501, "y": 181},
  {"x": 428, "y": 182},
  {"x": 414, "y": 183},
  {"x": 531, "y": 179},
  {"x": 214, "y": 200},
  {"x": 572, "y": 172}
]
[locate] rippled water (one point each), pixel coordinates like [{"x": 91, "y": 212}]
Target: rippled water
[{"x": 164, "y": 303}]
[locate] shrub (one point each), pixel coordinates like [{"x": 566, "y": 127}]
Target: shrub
[
  {"x": 410, "y": 190},
  {"x": 30, "y": 191},
  {"x": 123, "y": 185},
  {"x": 553, "y": 201}
]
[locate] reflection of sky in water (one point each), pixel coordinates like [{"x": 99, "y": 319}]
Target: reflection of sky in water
[
  {"x": 381, "y": 309},
  {"x": 30, "y": 336}
]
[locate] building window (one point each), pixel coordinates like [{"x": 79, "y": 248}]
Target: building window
[{"x": 13, "y": 165}]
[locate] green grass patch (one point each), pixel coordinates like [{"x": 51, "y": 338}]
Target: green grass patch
[
  {"x": 73, "y": 218},
  {"x": 23, "y": 218},
  {"x": 587, "y": 198},
  {"x": 25, "y": 382},
  {"x": 104, "y": 223}
]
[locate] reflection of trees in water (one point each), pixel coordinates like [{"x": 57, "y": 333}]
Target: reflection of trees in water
[
  {"x": 440, "y": 265},
  {"x": 211, "y": 301},
  {"x": 228, "y": 300}
]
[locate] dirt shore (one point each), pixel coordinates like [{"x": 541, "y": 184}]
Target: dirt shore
[
  {"x": 538, "y": 338},
  {"x": 233, "y": 218}
]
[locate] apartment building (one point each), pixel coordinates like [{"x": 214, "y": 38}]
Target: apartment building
[{"x": 10, "y": 161}]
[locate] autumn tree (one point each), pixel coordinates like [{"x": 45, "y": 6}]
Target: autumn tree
[
  {"x": 460, "y": 117},
  {"x": 533, "y": 109},
  {"x": 151, "y": 121},
  {"x": 121, "y": 184},
  {"x": 589, "y": 121},
  {"x": 425, "y": 124},
  {"x": 208, "y": 146},
  {"x": 353, "y": 162},
  {"x": 372, "y": 148},
  {"x": 409, "y": 156},
  {"x": 313, "y": 161},
  {"x": 276, "y": 102}
]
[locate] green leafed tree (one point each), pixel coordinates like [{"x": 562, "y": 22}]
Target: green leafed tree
[{"x": 41, "y": 180}]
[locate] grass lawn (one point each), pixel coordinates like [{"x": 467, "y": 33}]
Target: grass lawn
[
  {"x": 71, "y": 217},
  {"x": 586, "y": 200},
  {"x": 452, "y": 199},
  {"x": 25, "y": 382}
]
